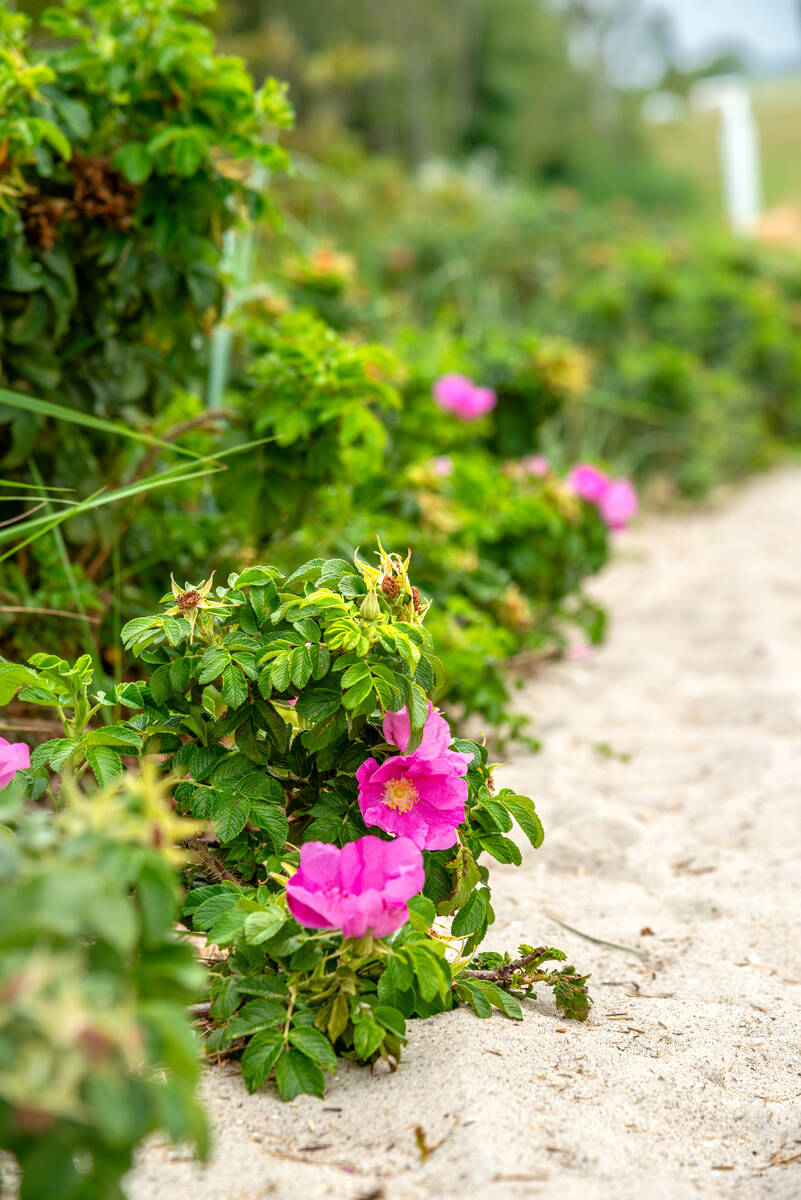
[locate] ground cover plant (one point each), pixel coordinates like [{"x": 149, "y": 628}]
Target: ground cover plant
[{"x": 338, "y": 837}]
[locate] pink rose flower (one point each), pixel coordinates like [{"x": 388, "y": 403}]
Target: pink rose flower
[
  {"x": 362, "y": 888},
  {"x": 422, "y": 795},
  {"x": 14, "y": 756},
  {"x": 443, "y": 466},
  {"x": 618, "y": 504},
  {"x": 588, "y": 482},
  {"x": 458, "y": 394},
  {"x": 536, "y": 464}
]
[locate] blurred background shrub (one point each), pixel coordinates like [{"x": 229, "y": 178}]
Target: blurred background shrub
[{"x": 242, "y": 357}]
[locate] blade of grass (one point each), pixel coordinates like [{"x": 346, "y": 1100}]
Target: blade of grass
[
  {"x": 178, "y": 474},
  {"x": 57, "y": 412},
  {"x": 41, "y": 525},
  {"x": 588, "y": 937},
  {"x": 89, "y": 642},
  {"x": 33, "y": 487}
]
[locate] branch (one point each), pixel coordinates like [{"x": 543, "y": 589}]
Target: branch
[
  {"x": 503, "y": 974},
  {"x": 212, "y": 864}
]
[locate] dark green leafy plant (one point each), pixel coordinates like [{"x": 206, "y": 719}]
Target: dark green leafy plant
[{"x": 268, "y": 698}]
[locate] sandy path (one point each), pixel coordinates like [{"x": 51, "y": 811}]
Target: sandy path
[{"x": 687, "y": 1079}]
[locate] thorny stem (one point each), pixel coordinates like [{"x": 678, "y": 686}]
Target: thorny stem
[{"x": 502, "y": 974}]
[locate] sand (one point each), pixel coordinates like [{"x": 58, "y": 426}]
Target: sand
[{"x": 669, "y": 788}]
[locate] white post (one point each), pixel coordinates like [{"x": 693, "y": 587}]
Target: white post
[{"x": 739, "y": 149}]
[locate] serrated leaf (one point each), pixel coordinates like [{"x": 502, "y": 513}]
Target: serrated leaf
[
  {"x": 315, "y": 1045},
  {"x": 358, "y": 694},
  {"x": 260, "y": 1056},
  {"x": 339, "y": 1016},
  {"x": 391, "y": 1019},
  {"x": 295, "y": 1074},
  {"x": 523, "y": 811},
  {"x": 260, "y": 926},
  {"x": 300, "y": 666},
  {"x": 466, "y": 991},
  {"x": 501, "y": 848},
  {"x": 279, "y": 672},
  {"x": 227, "y": 927},
  {"x": 427, "y": 972},
  {"x": 367, "y": 1036},
  {"x": 105, "y": 763},
  {"x": 212, "y": 664},
  {"x": 471, "y": 917},
  {"x": 256, "y": 1015},
  {"x": 213, "y": 907},
  {"x": 268, "y": 816},
  {"x": 114, "y": 735},
  {"x": 229, "y": 815},
  {"x": 234, "y": 688},
  {"x": 500, "y": 999}
]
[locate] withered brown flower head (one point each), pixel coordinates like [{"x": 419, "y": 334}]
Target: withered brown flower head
[
  {"x": 41, "y": 216},
  {"x": 190, "y": 599},
  {"x": 102, "y": 193}
]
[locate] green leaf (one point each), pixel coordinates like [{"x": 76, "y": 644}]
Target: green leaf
[
  {"x": 226, "y": 996},
  {"x": 470, "y": 918},
  {"x": 300, "y": 666},
  {"x": 338, "y": 1020},
  {"x": 295, "y": 1073},
  {"x": 269, "y": 817},
  {"x": 501, "y": 848},
  {"x": 367, "y": 1036},
  {"x": 427, "y": 972},
  {"x": 358, "y": 671},
  {"x": 258, "y": 1014},
  {"x": 260, "y": 926},
  {"x": 391, "y": 1019},
  {"x": 467, "y": 991},
  {"x": 213, "y": 907},
  {"x": 229, "y": 815},
  {"x": 114, "y": 735},
  {"x": 227, "y": 927},
  {"x": 358, "y": 694},
  {"x": 260, "y": 1056},
  {"x": 134, "y": 161},
  {"x": 523, "y": 811},
  {"x": 105, "y": 763},
  {"x": 314, "y": 1045},
  {"x": 279, "y": 673},
  {"x": 234, "y": 688},
  {"x": 500, "y": 999},
  {"x": 12, "y": 678},
  {"x": 212, "y": 664}
]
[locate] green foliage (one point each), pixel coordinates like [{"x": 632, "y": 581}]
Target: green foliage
[
  {"x": 128, "y": 156},
  {"x": 674, "y": 359},
  {"x": 96, "y": 1051},
  {"x": 261, "y": 700},
  {"x": 125, "y": 157}
]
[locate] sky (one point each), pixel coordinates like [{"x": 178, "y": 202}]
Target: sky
[{"x": 768, "y": 30}]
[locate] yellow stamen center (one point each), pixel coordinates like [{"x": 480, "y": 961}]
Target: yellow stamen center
[{"x": 400, "y": 794}]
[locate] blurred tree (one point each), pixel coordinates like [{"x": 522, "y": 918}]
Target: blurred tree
[{"x": 447, "y": 78}]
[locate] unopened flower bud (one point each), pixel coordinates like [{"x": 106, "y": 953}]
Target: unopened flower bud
[{"x": 369, "y": 607}]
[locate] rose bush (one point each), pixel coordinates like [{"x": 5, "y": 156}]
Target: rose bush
[{"x": 341, "y": 835}]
